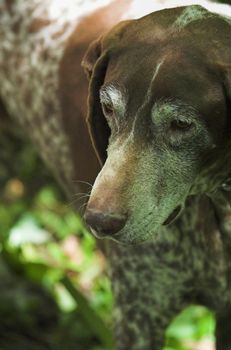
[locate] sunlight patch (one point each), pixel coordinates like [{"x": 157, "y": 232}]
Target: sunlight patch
[{"x": 27, "y": 231}]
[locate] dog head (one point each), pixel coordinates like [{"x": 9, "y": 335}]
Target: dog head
[{"x": 159, "y": 99}]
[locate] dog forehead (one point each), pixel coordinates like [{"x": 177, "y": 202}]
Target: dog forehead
[
  {"x": 192, "y": 25},
  {"x": 161, "y": 72},
  {"x": 181, "y": 59},
  {"x": 177, "y": 74},
  {"x": 158, "y": 24}
]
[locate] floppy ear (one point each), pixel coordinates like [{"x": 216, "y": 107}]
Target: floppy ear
[
  {"x": 91, "y": 56},
  {"x": 95, "y": 64}
]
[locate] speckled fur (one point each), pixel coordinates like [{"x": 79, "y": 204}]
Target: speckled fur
[
  {"x": 189, "y": 261},
  {"x": 190, "y": 266},
  {"x": 33, "y": 36}
]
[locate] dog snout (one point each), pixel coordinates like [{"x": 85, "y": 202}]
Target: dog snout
[{"x": 104, "y": 223}]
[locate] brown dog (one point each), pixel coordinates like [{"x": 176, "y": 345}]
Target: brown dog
[
  {"x": 159, "y": 117},
  {"x": 164, "y": 76}
]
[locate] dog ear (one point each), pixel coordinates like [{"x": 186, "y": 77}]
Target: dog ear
[
  {"x": 95, "y": 64},
  {"x": 91, "y": 56}
]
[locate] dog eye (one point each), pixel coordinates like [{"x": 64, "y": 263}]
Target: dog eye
[
  {"x": 108, "y": 109},
  {"x": 182, "y": 125}
]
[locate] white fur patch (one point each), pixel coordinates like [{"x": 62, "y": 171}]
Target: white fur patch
[
  {"x": 191, "y": 14},
  {"x": 113, "y": 95},
  {"x": 146, "y": 99}
]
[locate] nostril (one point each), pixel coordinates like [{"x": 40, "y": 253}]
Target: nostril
[{"x": 103, "y": 223}]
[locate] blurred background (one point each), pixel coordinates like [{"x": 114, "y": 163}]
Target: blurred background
[{"x": 54, "y": 288}]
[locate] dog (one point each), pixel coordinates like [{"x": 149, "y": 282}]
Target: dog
[
  {"x": 159, "y": 118},
  {"x": 154, "y": 170}
]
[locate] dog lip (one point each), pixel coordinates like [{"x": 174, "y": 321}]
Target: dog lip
[
  {"x": 99, "y": 235},
  {"x": 174, "y": 214}
]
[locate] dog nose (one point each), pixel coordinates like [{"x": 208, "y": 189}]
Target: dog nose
[{"x": 104, "y": 223}]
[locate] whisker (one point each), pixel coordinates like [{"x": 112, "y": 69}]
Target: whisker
[
  {"x": 79, "y": 196},
  {"x": 83, "y": 182},
  {"x": 81, "y": 193},
  {"x": 84, "y": 196},
  {"x": 75, "y": 200},
  {"x": 81, "y": 207}
]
